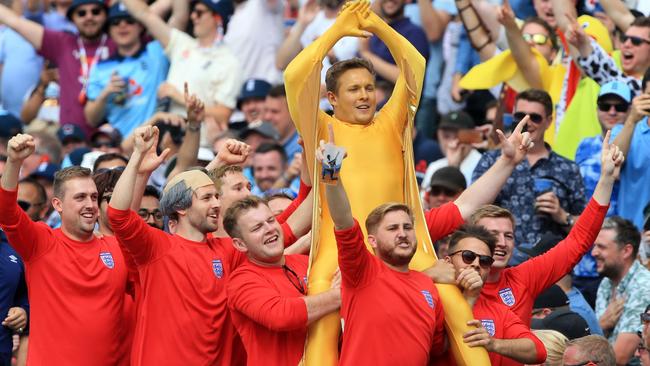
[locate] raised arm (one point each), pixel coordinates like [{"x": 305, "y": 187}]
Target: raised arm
[
  {"x": 620, "y": 14},
  {"x": 434, "y": 22},
  {"x": 477, "y": 32},
  {"x": 189, "y": 149},
  {"x": 521, "y": 51},
  {"x": 154, "y": 24},
  {"x": 31, "y": 31},
  {"x": 640, "y": 108},
  {"x": 485, "y": 189},
  {"x": 291, "y": 45}
]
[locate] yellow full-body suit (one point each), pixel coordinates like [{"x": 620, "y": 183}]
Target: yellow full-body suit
[{"x": 379, "y": 169}]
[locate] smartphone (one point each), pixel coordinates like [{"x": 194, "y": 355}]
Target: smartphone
[{"x": 470, "y": 136}]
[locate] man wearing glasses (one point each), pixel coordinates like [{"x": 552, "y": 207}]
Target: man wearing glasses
[
  {"x": 267, "y": 294},
  {"x": 538, "y": 209},
  {"x": 74, "y": 55}
]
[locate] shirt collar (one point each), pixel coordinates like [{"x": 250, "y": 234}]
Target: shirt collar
[{"x": 119, "y": 58}]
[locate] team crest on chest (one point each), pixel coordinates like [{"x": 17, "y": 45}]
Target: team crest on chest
[
  {"x": 217, "y": 268},
  {"x": 107, "y": 259},
  {"x": 507, "y": 296},
  {"x": 488, "y": 324},
  {"x": 428, "y": 297}
]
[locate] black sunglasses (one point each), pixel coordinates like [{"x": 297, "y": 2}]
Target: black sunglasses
[
  {"x": 24, "y": 205},
  {"x": 620, "y": 107},
  {"x": 437, "y": 190},
  {"x": 94, "y": 11},
  {"x": 294, "y": 279},
  {"x": 536, "y": 118},
  {"x": 645, "y": 318},
  {"x": 106, "y": 170},
  {"x": 636, "y": 41},
  {"x": 98, "y": 144},
  {"x": 468, "y": 256},
  {"x": 117, "y": 21},
  {"x": 144, "y": 213}
]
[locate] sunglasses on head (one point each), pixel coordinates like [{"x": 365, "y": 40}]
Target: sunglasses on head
[
  {"x": 636, "y": 41},
  {"x": 536, "y": 38},
  {"x": 619, "y": 107},
  {"x": 98, "y": 144},
  {"x": 437, "y": 190},
  {"x": 536, "y": 118},
  {"x": 199, "y": 12},
  {"x": 586, "y": 363},
  {"x": 485, "y": 261},
  {"x": 117, "y": 21},
  {"x": 144, "y": 213},
  {"x": 94, "y": 11}
]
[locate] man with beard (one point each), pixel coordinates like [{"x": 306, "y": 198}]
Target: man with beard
[
  {"x": 267, "y": 294},
  {"x": 150, "y": 207},
  {"x": 77, "y": 281},
  {"x": 205, "y": 63},
  {"x": 625, "y": 291},
  {"x": 270, "y": 170},
  {"x": 519, "y": 286},
  {"x": 122, "y": 89},
  {"x": 75, "y": 55}
]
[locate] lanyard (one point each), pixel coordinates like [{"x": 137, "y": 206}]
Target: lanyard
[{"x": 83, "y": 59}]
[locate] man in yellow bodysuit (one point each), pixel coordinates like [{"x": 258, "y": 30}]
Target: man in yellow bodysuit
[{"x": 379, "y": 167}]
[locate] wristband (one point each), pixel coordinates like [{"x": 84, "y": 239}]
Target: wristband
[{"x": 194, "y": 127}]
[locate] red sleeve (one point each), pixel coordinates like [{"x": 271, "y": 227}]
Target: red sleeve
[
  {"x": 514, "y": 328},
  {"x": 543, "y": 271},
  {"x": 289, "y": 236},
  {"x": 251, "y": 296},
  {"x": 355, "y": 261},
  {"x": 28, "y": 238},
  {"x": 443, "y": 220},
  {"x": 439, "y": 335},
  {"x": 302, "y": 194},
  {"x": 141, "y": 240},
  {"x": 50, "y": 47}
]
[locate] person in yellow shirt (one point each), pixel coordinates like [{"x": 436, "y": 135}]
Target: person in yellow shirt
[{"x": 379, "y": 167}]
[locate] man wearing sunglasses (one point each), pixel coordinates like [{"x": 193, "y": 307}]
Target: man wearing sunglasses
[
  {"x": 267, "y": 294},
  {"x": 613, "y": 105},
  {"x": 122, "y": 88},
  {"x": 74, "y": 55},
  {"x": 553, "y": 209},
  {"x": 507, "y": 339},
  {"x": 204, "y": 62},
  {"x": 635, "y": 55}
]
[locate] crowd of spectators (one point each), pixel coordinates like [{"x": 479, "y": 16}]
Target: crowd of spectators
[{"x": 139, "y": 106}]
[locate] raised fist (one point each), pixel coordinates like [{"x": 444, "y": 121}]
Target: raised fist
[{"x": 20, "y": 147}]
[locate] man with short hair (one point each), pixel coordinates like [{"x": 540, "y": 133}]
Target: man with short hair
[
  {"x": 270, "y": 170},
  {"x": 251, "y": 102},
  {"x": 508, "y": 340},
  {"x": 71, "y": 137},
  {"x": 538, "y": 208},
  {"x": 518, "y": 286},
  {"x": 109, "y": 161},
  {"x": 32, "y": 198},
  {"x": 122, "y": 88},
  {"x": 75, "y": 55},
  {"x": 276, "y": 111},
  {"x": 625, "y": 291},
  {"x": 267, "y": 294},
  {"x": 71, "y": 272},
  {"x": 150, "y": 207},
  {"x": 589, "y": 349},
  {"x": 551, "y": 311}
]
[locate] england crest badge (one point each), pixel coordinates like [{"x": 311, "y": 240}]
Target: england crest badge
[
  {"x": 488, "y": 324},
  {"x": 428, "y": 297},
  {"x": 507, "y": 296},
  {"x": 217, "y": 268},
  {"x": 107, "y": 259}
]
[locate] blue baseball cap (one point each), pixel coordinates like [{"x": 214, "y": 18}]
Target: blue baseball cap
[
  {"x": 77, "y": 3},
  {"x": 10, "y": 126},
  {"x": 617, "y": 88},
  {"x": 46, "y": 170},
  {"x": 253, "y": 88},
  {"x": 224, "y": 8},
  {"x": 70, "y": 132},
  {"x": 118, "y": 11}
]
